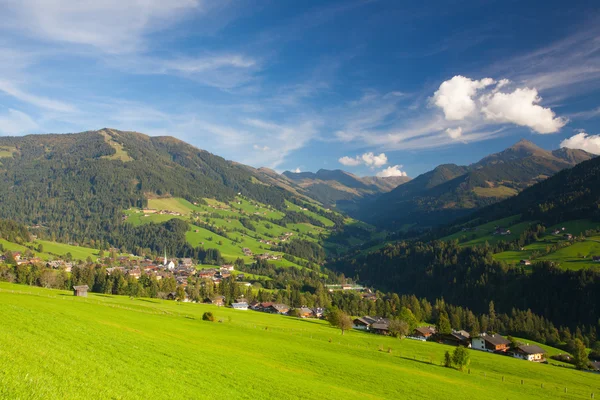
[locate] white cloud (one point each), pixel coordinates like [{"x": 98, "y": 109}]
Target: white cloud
[
  {"x": 114, "y": 26},
  {"x": 261, "y": 148},
  {"x": 38, "y": 101},
  {"x": 391, "y": 171},
  {"x": 454, "y": 133},
  {"x": 455, "y": 96},
  {"x": 349, "y": 161},
  {"x": 297, "y": 170},
  {"x": 369, "y": 159},
  {"x": 583, "y": 141},
  {"x": 15, "y": 122},
  {"x": 220, "y": 70},
  {"x": 520, "y": 107},
  {"x": 372, "y": 160}
]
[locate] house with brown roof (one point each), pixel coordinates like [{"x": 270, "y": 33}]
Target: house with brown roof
[
  {"x": 492, "y": 343},
  {"x": 529, "y": 352},
  {"x": 457, "y": 338},
  {"x": 277, "y": 309},
  {"x": 423, "y": 332},
  {"x": 304, "y": 312}
]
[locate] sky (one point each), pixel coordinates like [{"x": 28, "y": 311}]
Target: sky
[{"x": 372, "y": 87}]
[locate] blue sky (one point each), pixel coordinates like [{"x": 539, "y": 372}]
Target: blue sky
[{"x": 372, "y": 87}]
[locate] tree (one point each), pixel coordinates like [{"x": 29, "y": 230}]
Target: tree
[
  {"x": 339, "y": 319},
  {"x": 208, "y": 316},
  {"x": 407, "y": 316},
  {"x": 399, "y": 328},
  {"x": 460, "y": 358},
  {"x": 443, "y": 325},
  {"x": 40, "y": 248},
  {"x": 579, "y": 354},
  {"x": 180, "y": 293},
  {"x": 447, "y": 360}
]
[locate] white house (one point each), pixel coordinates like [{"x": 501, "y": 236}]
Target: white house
[
  {"x": 529, "y": 353},
  {"x": 240, "y": 306}
]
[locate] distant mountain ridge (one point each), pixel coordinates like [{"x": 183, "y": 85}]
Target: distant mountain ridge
[
  {"x": 340, "y": 188},
  {"x": 451, "y": 191}
]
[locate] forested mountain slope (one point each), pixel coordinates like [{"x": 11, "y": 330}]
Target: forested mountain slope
[
  {"x": 77, "y": 185},
  {"x": 450, "y": 191}
]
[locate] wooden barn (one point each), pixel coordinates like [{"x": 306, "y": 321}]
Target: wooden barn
[{"x": 80, "y": 291}]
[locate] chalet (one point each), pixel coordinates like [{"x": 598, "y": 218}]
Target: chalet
[
  {"x": 381, "y": 327},
  {"x": 134, "y": 273},
  {"x": 247, "y": 251},
  {"x": 369, "y": 296},
  {"x": 525, "y": 262},
  {"x": 218, "y": 301},
  {"x": 529, "y": 353},
  {"x": 304, "y": 312},
  {"x": 457, "y": 338},
  {"x": 206, "y": 273},
  {"x": 240, "y": 306},
  {"x": 81, "y": 290},
  {"x": 263, "y": 306},
  {"x": 186, "y": 262},
  {"x": 568, "y": 236},
  {"x": 171, "y": 296},
  {"x": 364, "y": 323},
  {"x": 502, "y": 231},
  {"x": 423, "y": 332},
  {"x": 254, "y": 305},
  {"x": 492, "y": 343},
  {"x": 346, "y": 287},
  {"x": 16, "y": 255},
  {"x": 318, "y": 312},
  {"x": 227, "y": 267},
  {"x": 277, "y": 309}
]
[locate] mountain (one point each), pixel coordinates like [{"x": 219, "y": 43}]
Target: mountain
[
  {"x": 340, "y": 188},
  {"x": 451, "y": 191},
  {"x": 77, "y": 185},
  {"x": 570, "y": 194}
]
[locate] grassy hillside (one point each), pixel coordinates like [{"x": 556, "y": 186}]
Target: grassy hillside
[
  {"x": 233, "y": 235},
  {"x": 156, "y": 349},
  {"x": 577, "y": 255}
]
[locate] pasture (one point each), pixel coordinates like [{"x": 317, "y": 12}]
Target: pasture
[{"x": 55, "y": 345}]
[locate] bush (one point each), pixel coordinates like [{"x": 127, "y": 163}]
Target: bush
[{"x": 208, "y": 316}]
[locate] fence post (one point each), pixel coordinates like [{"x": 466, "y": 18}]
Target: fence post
[
  {"x": 521, "y": 381},
  {"x": 502, "y": 378}
]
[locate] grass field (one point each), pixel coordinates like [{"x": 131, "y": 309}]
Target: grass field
[
  {"x": 60, "y": 249},
  {"x": 144, "y": 348},
  {"x": 7, "y": 151}
]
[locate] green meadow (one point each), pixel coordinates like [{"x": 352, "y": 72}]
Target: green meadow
[
  {"x": 217, "y": 214},
  {"x": 55, "y": 345}
]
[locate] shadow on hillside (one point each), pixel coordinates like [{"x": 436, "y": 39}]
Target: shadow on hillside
[
  {"x": 148, "y": 301},
  {"x": 104, "y": 295}
]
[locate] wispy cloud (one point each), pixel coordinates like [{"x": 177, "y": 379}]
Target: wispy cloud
[
  {"x": 38, "y": 101},
  {"x": 15, "y": 122},
  {"x": 113, "y": 26}
]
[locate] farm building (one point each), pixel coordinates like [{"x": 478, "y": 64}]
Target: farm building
[
  {"x": 457, "y": 338},
  {"x": 491, "y": 343},
  {"x": 423, "y": 332},
  {"x": 240, "y": 306},
  {"x": 81, "y": 290},
  {"x": 529, "y": 353}
]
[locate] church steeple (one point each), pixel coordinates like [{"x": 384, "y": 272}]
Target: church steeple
[{"x": 165, "y": 261}]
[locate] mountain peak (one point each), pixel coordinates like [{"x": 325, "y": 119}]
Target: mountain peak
[{"x": 525, "y": 144}]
